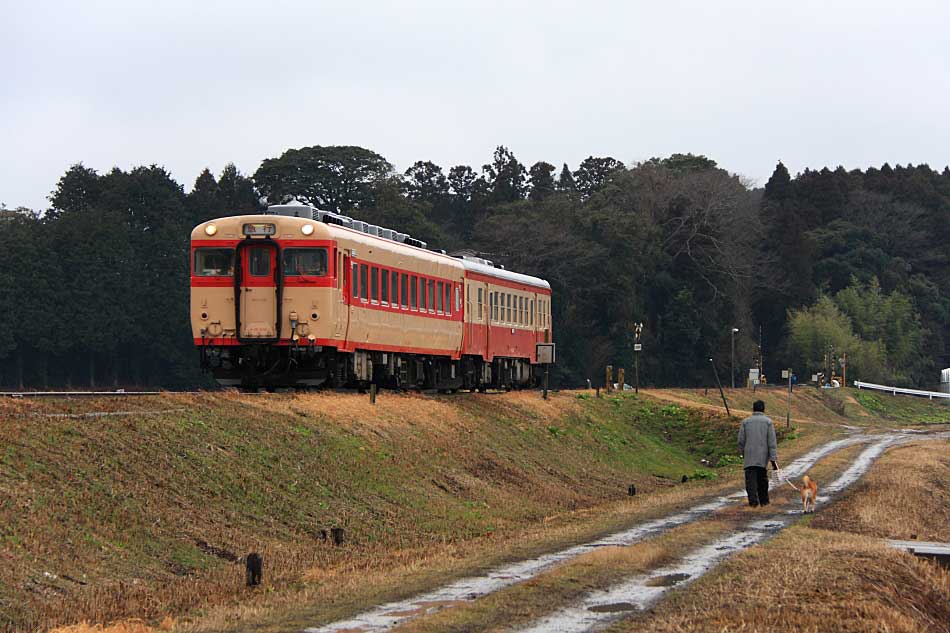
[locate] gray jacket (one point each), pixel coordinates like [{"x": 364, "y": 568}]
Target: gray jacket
[{"x": 757, "y": 440}]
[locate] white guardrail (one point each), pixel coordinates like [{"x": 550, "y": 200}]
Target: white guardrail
[{"x": 901, "y": 390}]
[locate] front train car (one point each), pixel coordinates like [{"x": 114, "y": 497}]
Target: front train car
[
  {"x": 302, "y": 297},
  {"x": 264, "y": 298}
]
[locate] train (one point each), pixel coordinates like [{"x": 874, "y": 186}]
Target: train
[{"x": 301, "y": 297}]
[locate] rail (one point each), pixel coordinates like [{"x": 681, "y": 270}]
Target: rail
[
  {"x": 73, "y": 394},
  {"x": 901, "y": 390}
]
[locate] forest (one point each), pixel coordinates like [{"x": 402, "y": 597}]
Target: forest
[{"x": 94, "y": 289}]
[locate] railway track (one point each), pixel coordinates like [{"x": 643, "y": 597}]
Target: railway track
[{"x": 74, "y": 394}]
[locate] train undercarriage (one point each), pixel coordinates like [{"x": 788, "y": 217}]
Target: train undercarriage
[{"x": 270, "y": 366}]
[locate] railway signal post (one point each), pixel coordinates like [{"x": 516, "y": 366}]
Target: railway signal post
[{"x": 545, "y": 355}]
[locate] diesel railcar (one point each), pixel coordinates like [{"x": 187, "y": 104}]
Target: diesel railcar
[{"x": 302, "y": 297}]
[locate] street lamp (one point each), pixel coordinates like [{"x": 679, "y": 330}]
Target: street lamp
[
  {"x": 637, "y": 346},
  {"x": 734, "y": 330}
]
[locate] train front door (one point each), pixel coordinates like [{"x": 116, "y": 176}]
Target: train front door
[{"x": 258, "y": 291}]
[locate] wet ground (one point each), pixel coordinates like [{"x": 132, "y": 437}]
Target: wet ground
[{"x": 600, "y": 608}]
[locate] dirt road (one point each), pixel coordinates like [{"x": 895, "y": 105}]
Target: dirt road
[{"x": 599, "y": 608}]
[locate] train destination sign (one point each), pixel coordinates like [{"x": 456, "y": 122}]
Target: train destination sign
[{"x": 260, "y": 228}]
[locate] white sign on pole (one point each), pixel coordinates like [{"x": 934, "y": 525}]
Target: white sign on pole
[
  {"x": 814, "y": 377},
  {"x": 545, "y": 352},
  {"x": 637, "y": 347},
  {"x": 785, "y": 374}
]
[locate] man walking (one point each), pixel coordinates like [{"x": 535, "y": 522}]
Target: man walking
[{"x": 757, "y": 443}]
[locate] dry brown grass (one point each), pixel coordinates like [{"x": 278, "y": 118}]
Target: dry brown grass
[
  {"x": 122, "y": 626},
  {"x": 429, "y": 488},
  {"x": 905, "y": 495},
  {"x": 809, "y": 581}
]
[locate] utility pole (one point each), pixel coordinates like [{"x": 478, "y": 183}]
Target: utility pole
[
  {"x": 844, "y": 369},
  {"x": 719, "y": 384},
  {"x": 732, "y": 367},
  {"x": 788, "y": 408}
]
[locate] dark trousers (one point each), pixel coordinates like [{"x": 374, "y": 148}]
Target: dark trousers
[{"x": 757, "y": 485}]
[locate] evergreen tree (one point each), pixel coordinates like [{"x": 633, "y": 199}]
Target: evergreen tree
[
  {"x": 424, "y": 180},
  {"x": 505, "y": 176},
  {"x": 593, "y": 173},
  {"x": 203, "y": 199},
  {"x": 541, "y": 180},
  {"x": 79, "y": 188},
  {"x": 565, "y": 181},
  {"x": 236, "y": 194}
]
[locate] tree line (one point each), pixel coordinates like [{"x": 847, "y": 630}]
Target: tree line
[{"x": 94, "y": 289}]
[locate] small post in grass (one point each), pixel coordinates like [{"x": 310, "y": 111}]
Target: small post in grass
[
  {"x": 372, "y": 393},
  {"x": 620, "y": 380},
  {"x": 609, "y": 380},
  {"x": 254, "y": 569}
]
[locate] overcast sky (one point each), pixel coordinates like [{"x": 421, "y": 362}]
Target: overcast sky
[{"x": 191, "y": 84}]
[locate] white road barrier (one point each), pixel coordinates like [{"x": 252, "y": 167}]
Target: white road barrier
[{"x": 900, "y": 390}]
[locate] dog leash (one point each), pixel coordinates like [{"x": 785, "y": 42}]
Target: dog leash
[{"x": 781, "y": 475}]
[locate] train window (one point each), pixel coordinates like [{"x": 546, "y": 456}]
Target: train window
[
  {"x": 374, "y": 283},
  {"x": 305, "y": 261},
  {"x": 422, "y": 293},
  {"x": 494, "y": 306},
  {"x": 458, "y": 298},
  {"x": 384, "y": 287},
  {"x": 479, "y": 304},
  {"x": 364, "y": 281},
  {"x": 431, "y": 303},
  {"x": 394, "y": 288},
  {"x": 214, "y": 262},
  {"x": 447, "y": 296},
  {"x": 259, "y": 262},
  {"x": 355, "y": 280},
  {"x": 415, "y": 292},
  {"x": 531, "y": 311},
  {"x": 438, "y": 296},
  {"x": 404, "y": 295},
  {"x": 510, "y": 315}
]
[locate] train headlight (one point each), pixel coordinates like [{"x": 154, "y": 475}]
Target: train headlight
[
  {"x": 211, "y": 229},
  {"x": 307, "y": 229}
]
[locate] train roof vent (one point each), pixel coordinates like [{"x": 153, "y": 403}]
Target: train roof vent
[
  {"x": 293, "y": 208},
  {"x": 477, "y": 260}
]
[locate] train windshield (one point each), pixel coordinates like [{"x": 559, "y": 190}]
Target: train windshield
[
  {"x": 311, "y": 262},
  {"x": 214, "y": 262}
]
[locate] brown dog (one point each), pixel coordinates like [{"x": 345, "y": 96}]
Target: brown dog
[{"x": 809, "y": 492}]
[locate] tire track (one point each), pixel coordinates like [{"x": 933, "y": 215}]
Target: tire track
[
  {"x": 390, "y": 615},
  {"x": 601, "y": 608}
]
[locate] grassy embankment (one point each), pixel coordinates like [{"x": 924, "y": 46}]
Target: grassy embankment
[
  {"x": 147, "y": 514},
  {"x": 832, "y": 571},
  {"x": 808, "y": 404}
]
